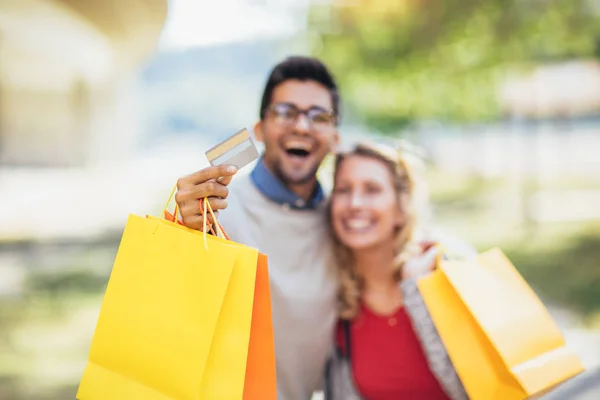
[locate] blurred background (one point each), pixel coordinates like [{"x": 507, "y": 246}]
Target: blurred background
[{"x": 105, "y": 103}]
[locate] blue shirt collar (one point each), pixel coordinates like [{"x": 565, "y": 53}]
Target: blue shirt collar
[{"x": 270, "y": 186}]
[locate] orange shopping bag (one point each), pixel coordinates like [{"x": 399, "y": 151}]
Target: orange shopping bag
[
  {"x": 185, "y": 315},
  {"x": 498, "y": 334}
]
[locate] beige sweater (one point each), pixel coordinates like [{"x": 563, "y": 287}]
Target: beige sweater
[{"x": 303, "y": 282}]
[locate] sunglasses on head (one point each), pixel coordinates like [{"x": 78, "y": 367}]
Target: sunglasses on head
[{"x": 287, "y": 114}]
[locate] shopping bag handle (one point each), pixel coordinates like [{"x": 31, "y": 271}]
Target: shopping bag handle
[
  {"x": 444, "y": 254},
  {"x": 204, "y": 206},
  {"x": 220, "y": 230}
]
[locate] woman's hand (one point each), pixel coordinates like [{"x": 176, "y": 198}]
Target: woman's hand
[{"x": 422, "y": 264}]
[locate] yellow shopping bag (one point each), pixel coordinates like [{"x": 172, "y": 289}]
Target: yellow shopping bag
[
  {"x": 498, "y": 334},
  {"x": 177, "y": 319}
]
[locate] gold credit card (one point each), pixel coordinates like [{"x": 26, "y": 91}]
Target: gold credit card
[{"x": 238, "y": 150}]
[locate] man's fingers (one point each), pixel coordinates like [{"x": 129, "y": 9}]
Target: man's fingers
[
  {"x": 210, "y": 189},
  {"x": 200, "y": 191},
  {"x": 225, "y": 180},
  {"x": 196, "y": 221},
  {"x": 206, "y": 174},
  {"x": 216, "y": 203},
  {"x": 205, "y": 183},
  {"x": 209, "y": 216},
  {"x": 189, "y": 211}
]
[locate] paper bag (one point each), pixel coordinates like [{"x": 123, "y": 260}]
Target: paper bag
[
  {"x": 498, "y": 334},
  {"x": 185, "y": 316}
]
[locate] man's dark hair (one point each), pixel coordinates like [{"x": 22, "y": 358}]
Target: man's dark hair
[{"x": 304, "y": 69}]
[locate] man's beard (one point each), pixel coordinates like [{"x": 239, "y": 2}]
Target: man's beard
[{"x": 306, "y": 178}]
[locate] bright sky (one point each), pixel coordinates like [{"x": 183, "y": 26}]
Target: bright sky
[{"x": 207, "y": 22}]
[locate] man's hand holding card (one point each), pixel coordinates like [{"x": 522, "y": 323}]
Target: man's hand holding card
[{"x": 225, "y": 158}]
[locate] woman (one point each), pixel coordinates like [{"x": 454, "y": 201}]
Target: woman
[{"x": 387, "y": 345}]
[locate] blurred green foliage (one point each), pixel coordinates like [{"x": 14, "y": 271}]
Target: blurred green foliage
[
  {"x": 558, "y": 259},
  {"x": 402, "y": 60},
  {"x": 564, "y": 270}
]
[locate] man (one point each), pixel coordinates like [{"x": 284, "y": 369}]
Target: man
[{"x": 279, "y": 209}]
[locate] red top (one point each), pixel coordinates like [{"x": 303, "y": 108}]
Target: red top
[{"x": 388, "y": 362}]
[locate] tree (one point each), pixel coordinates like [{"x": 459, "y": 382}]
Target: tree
[{"x": 405, "y": 60}]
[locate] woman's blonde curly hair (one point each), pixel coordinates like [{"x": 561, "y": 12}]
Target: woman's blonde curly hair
[{"x": 402, "y": 178}]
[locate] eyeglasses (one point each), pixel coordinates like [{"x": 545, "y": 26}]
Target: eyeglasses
[{"x": 287, "y": 114}]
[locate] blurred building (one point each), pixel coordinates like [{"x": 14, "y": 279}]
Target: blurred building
[
  {"x": 66, "y": 85},
  {"x": 568, "y": 89}
]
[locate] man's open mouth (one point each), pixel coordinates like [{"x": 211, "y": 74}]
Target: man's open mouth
[
  {"x": 298, "y": 148},
  {"x": 298, "y": 152}
]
